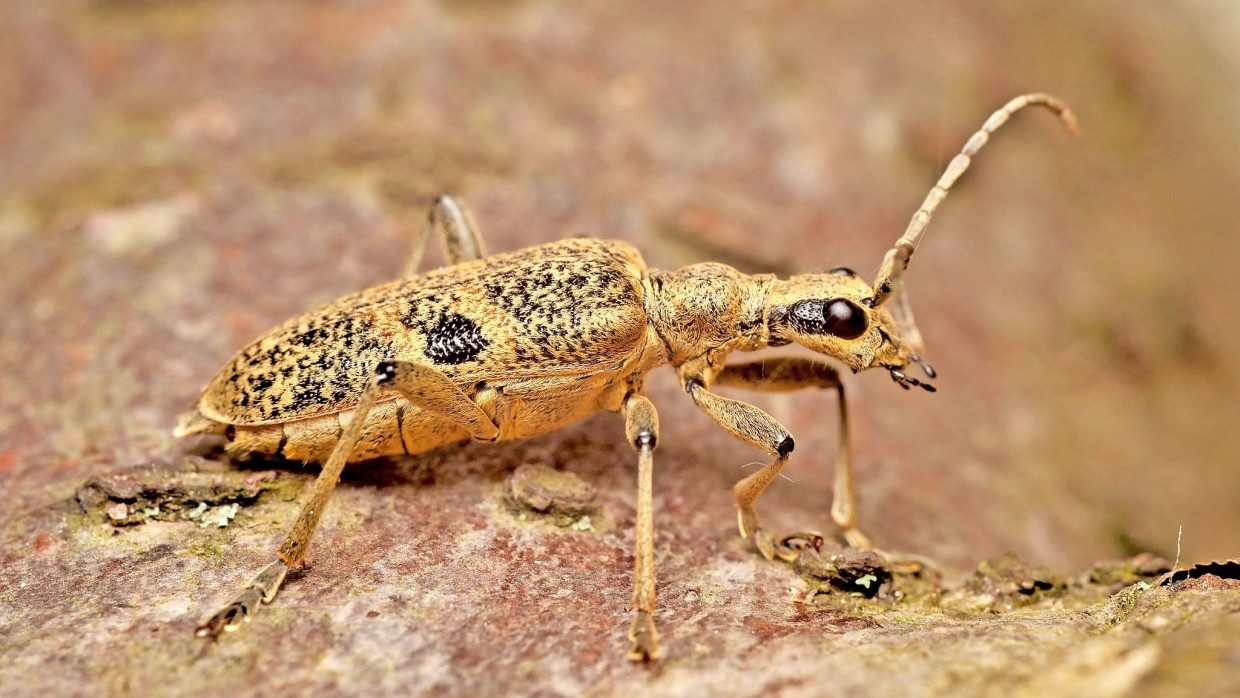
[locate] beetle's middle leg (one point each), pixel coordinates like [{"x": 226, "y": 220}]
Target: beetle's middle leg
[
  {"x": 422, "y": 385},
  {"x": 641, "y": 425},
  {"x": 784, "y": 374},
  {"x": 461, "y": 240}
]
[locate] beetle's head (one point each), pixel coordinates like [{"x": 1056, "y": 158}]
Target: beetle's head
[{"x": 834, "y": 314}]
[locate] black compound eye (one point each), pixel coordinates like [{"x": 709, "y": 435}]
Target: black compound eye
[{"x": 844, "y": 319}]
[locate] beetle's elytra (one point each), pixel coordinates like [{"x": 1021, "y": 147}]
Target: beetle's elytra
[{"x": 519, "y": 344}]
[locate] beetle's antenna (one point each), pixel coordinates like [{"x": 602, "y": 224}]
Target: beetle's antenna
[{"x": 889, "y": 281}]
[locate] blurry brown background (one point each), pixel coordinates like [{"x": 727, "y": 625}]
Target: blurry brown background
[{"x": 175, "y": 177}]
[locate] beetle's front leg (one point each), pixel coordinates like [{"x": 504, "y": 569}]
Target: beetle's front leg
[
  {"x": 641, "y": 426},
  {"x": 784, "y": 374},
  {"x": 759, "y": 429}
]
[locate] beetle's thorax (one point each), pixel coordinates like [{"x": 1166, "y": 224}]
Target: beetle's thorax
[
  {"x": 706, "y": 311},
  {"x": 708, "y": 308}
]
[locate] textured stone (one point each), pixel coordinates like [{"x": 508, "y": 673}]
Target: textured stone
[{"x": 177, "y": 177}]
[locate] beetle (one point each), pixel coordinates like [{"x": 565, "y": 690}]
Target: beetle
[{"x": 514, "y": 345}]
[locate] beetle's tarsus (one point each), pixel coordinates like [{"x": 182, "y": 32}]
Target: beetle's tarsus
[
  {"x": 644, "y": 638},
  {"x": 785, "y": 552},
  {"x": 766, "y": 542},
  {"x": 261, "y": 589}
]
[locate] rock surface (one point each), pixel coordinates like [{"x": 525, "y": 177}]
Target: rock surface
[{"x": 176, "y": 177}]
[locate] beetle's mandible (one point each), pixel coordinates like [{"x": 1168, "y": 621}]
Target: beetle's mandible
[{"x": 514, "y": 345}]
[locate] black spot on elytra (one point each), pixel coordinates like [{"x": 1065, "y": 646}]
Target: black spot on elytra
[{"x": 454, "y": 339}]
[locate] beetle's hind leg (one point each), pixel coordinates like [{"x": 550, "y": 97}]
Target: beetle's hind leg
[
  {"x": 461, "y": 240},
  {"x": 641, "y": 425},
  {"x": 425, "y": 387},
  {"x": 263, "y": 588}
]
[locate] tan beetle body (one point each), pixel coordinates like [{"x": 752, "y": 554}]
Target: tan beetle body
[
  {"x": 519, "y": 344},
  {"x": 538, "y": 338}
]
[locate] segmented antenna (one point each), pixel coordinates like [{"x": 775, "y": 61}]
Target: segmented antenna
[{"x": 897, "y": 259}]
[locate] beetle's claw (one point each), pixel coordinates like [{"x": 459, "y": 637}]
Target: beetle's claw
[
  {"x": 793, "y": 544},
  {"x": 231, "y": 617},
  {"x": 789, "y": 547}
]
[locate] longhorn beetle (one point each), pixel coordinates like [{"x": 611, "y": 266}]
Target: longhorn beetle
[{"x": 514, "y": 345}]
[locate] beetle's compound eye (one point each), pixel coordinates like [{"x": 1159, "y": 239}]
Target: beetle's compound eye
[
  {"x": 844, "y": 319},
  {"x": 838, "y": 317}
]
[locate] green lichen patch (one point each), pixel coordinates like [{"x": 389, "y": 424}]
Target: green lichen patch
[
  {"x": 1119, "y": 607},
  {"x": 218, "y": 516}
]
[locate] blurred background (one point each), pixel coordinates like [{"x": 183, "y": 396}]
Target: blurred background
[{"x": 175, "y": 177}]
